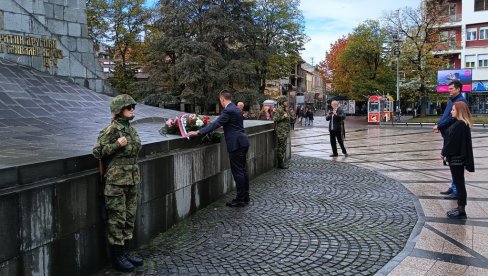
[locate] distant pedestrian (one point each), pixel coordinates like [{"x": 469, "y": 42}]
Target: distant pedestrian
[
  {"x": 336, "y": 119},
  {"x": 458, "y": 154},
  {"x": 265, "y": 113},
  {"x": 293, "y": 118},
  {"x": 306, "y": 116},
  {"x": 282, "y": 130},
  {"x": 310, "y": 116},
  {"x": 300, "y": 114},
  {"x": 117, "y": 147},
  {"x": 446, "y": 121},
  {"x": 240, "y": 105}
]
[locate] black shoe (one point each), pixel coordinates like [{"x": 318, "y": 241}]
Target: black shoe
[
  {"x": 119, "y": 261},
  {"x": 282, "y": 165},
  {"x": 457, "y": 215},
  {"x": 133, "y": 259},
  {"x": 236, "y": 203},
  {"x": 346, "y": 155},
  {"x": 449, "y": 191},
  {"x": 333, "y": 155},
  {"x": 451, "y": 211},
  {"x": 451, "y": 196}
]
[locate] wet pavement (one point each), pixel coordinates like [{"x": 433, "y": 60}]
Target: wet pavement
[
  {"x": 411, "y": 156},
  {"x": 377, "y": 211}
]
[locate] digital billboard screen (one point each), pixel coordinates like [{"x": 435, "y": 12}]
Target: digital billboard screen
[{"x": 444, "y": 77}]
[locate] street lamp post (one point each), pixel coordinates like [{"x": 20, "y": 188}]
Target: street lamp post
[{"x": 397, "y": 54}]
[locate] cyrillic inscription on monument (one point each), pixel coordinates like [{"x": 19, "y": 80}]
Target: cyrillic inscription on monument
[{"x": 31, "y": 46}]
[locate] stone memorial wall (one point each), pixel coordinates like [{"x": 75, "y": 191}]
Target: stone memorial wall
[{"x": 50, "y": 36}]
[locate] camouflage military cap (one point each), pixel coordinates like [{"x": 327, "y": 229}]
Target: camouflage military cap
[
  {"x": 119, "y": 102},
  {"x": 281, "y": 100}
]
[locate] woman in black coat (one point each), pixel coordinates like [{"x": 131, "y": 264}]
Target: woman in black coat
[{"x": 458, "y": 153}]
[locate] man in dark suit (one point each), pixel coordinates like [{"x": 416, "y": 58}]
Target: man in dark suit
[
  {"x": 237, "y": 145},
  {"x": 336, "y": 128}
]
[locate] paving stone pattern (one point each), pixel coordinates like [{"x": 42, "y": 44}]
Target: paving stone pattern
[{"x": 319, "y": 217}]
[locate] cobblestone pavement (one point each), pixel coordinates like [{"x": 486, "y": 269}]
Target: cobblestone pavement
[
  {"x": 411, "y": 155},
  {"x": 341, "y": 215},
  {"x": 316, "y": 218}
]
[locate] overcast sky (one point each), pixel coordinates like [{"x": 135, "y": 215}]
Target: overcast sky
[{"x": 328, "y": 20}]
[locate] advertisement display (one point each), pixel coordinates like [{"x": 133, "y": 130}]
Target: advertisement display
[
  {"x": 444, "y": 77},
  {"x": 348, "y": 106}
]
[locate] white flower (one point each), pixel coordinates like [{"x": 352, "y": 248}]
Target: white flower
[
  {"x": 193, "y": 116},
  {"x": 199, "y": 123},
  {"x": 183, "y": 121}
]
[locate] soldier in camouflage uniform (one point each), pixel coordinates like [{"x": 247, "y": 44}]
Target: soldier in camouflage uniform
[
  {"x": 281, "y": 117},
  {"x": 117, "y": 146}
]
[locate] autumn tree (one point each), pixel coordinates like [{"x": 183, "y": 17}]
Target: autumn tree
[
  {"x": 364, "y": 62},
  {"x": 356, "y": 65},
  {"x": 419, "y": 31},
  {"x": 331, "y": 69},
  {"x": 120, "y": 24},
  {"x": 97, "y": 26}
]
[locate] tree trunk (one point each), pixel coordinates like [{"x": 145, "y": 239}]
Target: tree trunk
[{"x": 423, "y": 100}]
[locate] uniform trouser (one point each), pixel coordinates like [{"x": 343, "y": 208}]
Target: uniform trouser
[
  {"x": 333, "y": 135},
  {"x": 281, "y": 140},
  {"x": 121, "y": 205},
  {"x": 457, "y": 173},
  {"x": 239, "y": 172}
]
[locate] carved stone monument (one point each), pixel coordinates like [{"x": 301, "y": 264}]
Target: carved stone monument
[{"x": 50, "y": 36}]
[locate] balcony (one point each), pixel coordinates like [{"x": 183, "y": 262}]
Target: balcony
[
  {"x": 451, "y": 22},
  {"x": 448, "y": 48}
]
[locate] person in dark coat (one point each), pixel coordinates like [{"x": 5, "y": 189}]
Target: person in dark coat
[
  {"x": 237, "y": 145},
  {"x": 457, "y": 152},
  {"x": 446, "y": 121},
  {"x": 336, "y": 128},
  {"x": 310, "y": 116}
]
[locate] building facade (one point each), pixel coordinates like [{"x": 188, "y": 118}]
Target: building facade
[{"x": 466, "y": 43}]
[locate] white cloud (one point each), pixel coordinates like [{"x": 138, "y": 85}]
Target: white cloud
[{"x": 329, "y": 20}]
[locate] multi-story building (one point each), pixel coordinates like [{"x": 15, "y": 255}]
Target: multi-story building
[
  {"x": 108, "y": 63},
  {"x": 466, "y": 37}
]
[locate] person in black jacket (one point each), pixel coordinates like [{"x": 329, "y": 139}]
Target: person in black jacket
[
  {"x": 237, "y": 145},
  {"x": 336, "y": 128},
  {"x": 458, "y": 153}
]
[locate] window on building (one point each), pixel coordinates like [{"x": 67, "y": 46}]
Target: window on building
[
  {"x": 484, "y": 33},
  {"x": 471, "y": 34},
  {"x": 480, "y": 5},
  {"x": 443, "y": 36},
  {"x": 469, "y": 61},
  {"x": 449, "y": 10},
  {"x": 449, "y": 37},
  {"x": 482, "y": 60},
  {"x": 451, "y": 64}
]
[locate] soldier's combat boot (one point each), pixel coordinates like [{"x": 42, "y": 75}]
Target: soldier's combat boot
[
  {"x": 119, "y": 261},
  {"x": 282, "y": 165},
  {"x": 133, "y": 259}
]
